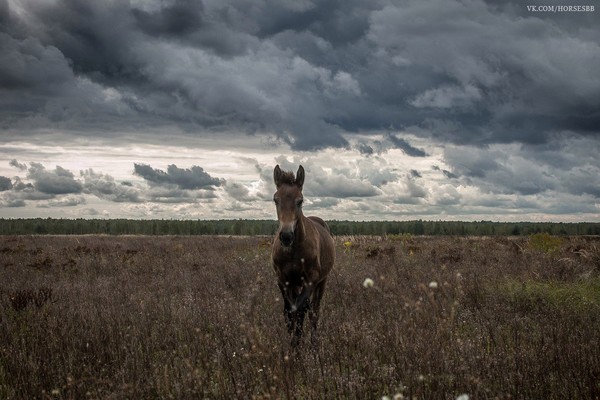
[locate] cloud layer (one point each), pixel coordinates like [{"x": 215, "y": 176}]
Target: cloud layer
[
  {"x": 59, "y": 187},
  {"x": 193, "y": 178},
  {"x": 499, "y": 182},
  {"x": 440, "y": 109},
  {"x": 305, "y": 72}
]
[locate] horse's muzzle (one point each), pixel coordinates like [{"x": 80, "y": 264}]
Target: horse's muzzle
[{"x": 286, "y": 238}]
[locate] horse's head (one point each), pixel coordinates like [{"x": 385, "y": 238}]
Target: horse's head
[{"x": 288, "y": 201}]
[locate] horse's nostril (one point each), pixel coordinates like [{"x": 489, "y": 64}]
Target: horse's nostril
[{"x": 286, "y": 238}]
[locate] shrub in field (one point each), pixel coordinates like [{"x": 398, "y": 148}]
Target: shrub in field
[
  {"x": 20, "y": 299},
  {"x": 572, "y": 297},
  {"x": 545, "y": 242}
]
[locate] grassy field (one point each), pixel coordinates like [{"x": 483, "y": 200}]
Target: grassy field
[{"x": 201, "y": 317}]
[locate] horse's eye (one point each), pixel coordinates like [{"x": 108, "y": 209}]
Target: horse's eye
[
  {"x": 299, "y": 203},
  {"x": 276, "y": 200}
]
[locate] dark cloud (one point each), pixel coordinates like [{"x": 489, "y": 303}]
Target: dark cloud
[
  {"x": 105, "y": 187},
  {"x": 16, "y": 164},
  {"x": 5, "y": 183},
  {"x": 371, "y": 147},
  {"x": 390, "y": 141},
  {"x": 584, "y": 180},
  {"x": 365, "y": 149},
  {"x": 511, "y": 96},
  {"x": 447, "y": 174},
  {"x": 568, "y": 168},
  {"x": 192, "y": 178},
  {"x": 60, "y": 187},
  {"x": 21, "y": 186},
  {"x": 175, "y": 19},
  {"x": 474, "y": 162},
  {"x": 20, "y": 192},
  {"x": 97, "y": 37},
  {"x": 502, "y": 69},
  {"x": 59, "y": 181},
  {"x": 305, "y": 72},
  {"x": 188, "y": 21},
  {"x": 27, "y": 64},
  {"x": 406, "y": 147},
  {"x": 39, "y": 89},
  {"x": 415, "y": 174}
]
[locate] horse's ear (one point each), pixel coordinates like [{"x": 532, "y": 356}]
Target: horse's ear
[
  {"x": 300, "y": 176},
  {"x": 277, "y": 176}
]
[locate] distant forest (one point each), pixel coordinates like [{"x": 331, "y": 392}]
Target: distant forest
[{"x": 41, "y": 226}]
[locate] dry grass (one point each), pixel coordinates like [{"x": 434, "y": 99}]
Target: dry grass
[{"x": 201, "y": 317}]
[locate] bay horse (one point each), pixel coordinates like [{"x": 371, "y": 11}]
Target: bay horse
[{"x": 303, "y": 254}]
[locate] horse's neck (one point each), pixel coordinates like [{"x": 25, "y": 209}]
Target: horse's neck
[{"x": 301, "y": 228}]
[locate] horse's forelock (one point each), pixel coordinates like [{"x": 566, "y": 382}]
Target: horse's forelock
[{"x": 287, "y": 177}]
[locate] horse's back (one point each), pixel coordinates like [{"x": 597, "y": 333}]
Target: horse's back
[
  {"x": 320, "y": 222},
  {"x": 327, "y": 244}
]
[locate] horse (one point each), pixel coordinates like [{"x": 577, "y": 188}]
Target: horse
[{"x": 303, "y": 254}]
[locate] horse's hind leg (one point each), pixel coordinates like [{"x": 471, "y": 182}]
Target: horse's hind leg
[{"x": 314, "y": 309}]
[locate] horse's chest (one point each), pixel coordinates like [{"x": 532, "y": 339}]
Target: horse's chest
[{"x": 294, "y": 264}]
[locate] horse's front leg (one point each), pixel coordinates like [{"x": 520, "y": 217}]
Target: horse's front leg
[
  {"x": 298, "y": 316},
  {"x": 287, "y": 308}
]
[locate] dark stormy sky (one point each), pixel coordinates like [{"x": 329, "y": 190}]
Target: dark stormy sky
[{"x": 400, "y": 109}]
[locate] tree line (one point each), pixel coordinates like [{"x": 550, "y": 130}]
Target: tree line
[{"x": 42, "y": 226}]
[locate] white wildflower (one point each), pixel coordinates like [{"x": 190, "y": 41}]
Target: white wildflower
[
  {"x": 433, "y": 285},
  {"x": 463, "y": 396},
  {"x": 368, "y": 283}
]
